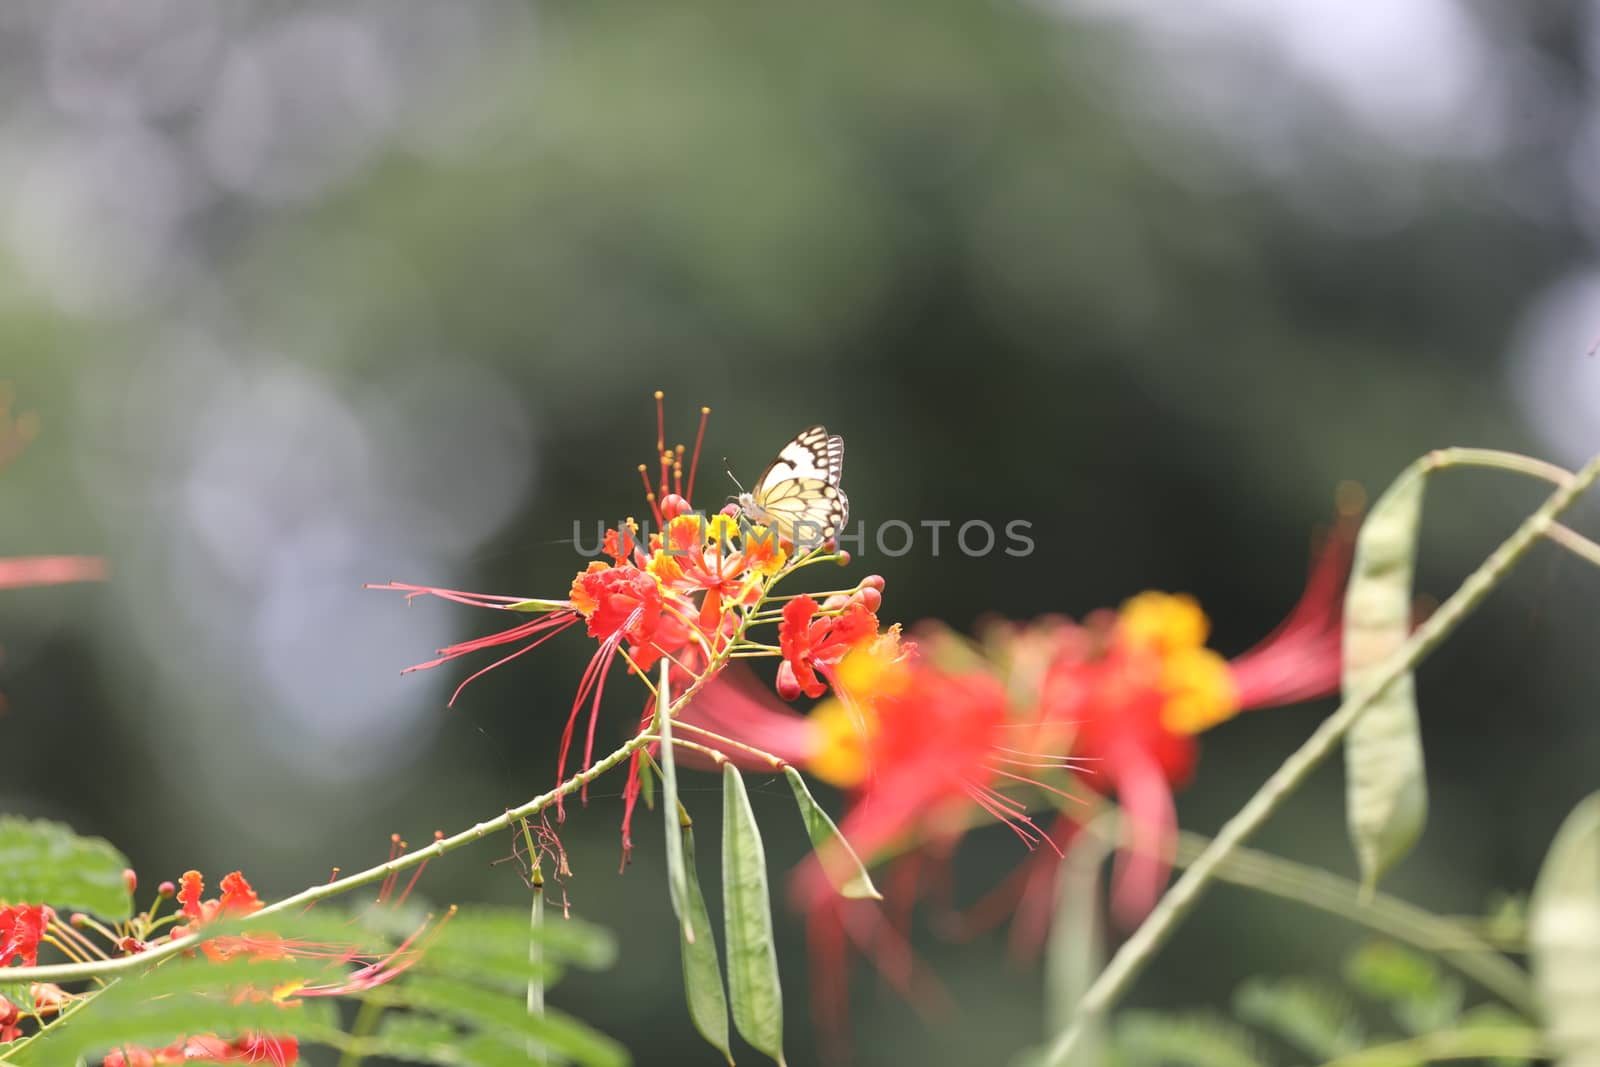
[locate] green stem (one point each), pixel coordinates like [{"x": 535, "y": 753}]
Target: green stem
[
  {"x": 1485, "y": 1043},
  {"x": 70, "y": 972},
  {"x": 1135, "y": 953},
  {"x": 1565, "y": 536},
  {"x": 536, "y": 958},
  {"x": 365, "y": 1025},
  {"x": 1388, "y": 915}
]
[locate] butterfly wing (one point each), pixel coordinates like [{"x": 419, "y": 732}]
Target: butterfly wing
[{"x": 802, "y": 485}]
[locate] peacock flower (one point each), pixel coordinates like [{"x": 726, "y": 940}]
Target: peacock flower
[{"x": 688, "y": 594}]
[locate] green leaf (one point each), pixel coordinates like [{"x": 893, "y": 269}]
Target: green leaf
[
  {"x": 839, "y": 861},
  {"x": 1153, "y": 1039},
  {"x": 1422, "y": 999},
  {"x": 1075, "y": 951},
  {"x": 416, "y": 1032},
  {"x": 672, "y": 811},
  {"x": 489, "y": 946},
  {"x": 184, "y": 997},
  {"x": 44, "y": 862},
  {"x": 506, "y": 1017},
  {"x": 1386, "y": 786},
  {"x": 702, "y": 974},
  {"x": 753, "y": 985},
  {"x": 416, "y": 1038},
  {"x": 1312, "y": 1017},
  {"x": 1564, "y": 936},
  {"x": 647, "y": 784},
  {"x": 1496, "y": 1018},
  {"x": 539, "y": 605}
]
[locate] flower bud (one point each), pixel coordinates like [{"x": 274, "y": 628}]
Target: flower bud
[
  {"x": 130, "y": 880},
  {"x": 166, "y": 889},
  {"x": 869, "y": 598},
  {"x": 788, "y": 685},
  {"x": 873, "y": 581},
  {"x": 843, "y": 557},
  {"x": 673, "y": 505}
]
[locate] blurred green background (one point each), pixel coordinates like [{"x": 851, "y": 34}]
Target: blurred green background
[{"x": 311, "y": 295}]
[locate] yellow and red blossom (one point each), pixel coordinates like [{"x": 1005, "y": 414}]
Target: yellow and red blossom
[
  {"x": 813, "y": 645},
  {"x": 685, "y": 595}
]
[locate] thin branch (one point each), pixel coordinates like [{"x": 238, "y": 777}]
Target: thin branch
[{"x": 1137, "y": 952}]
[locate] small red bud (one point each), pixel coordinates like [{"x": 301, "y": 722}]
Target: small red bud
[
  {"x": 166, "y": 889},
  {"x": 873, "y": 581},
  {"x": 843, "y": 558},
  {"x": 835, "y": 602},
  {"x": 673, "y": 505},
  {"x": 788, "y": 685},
  {"x": 869, "y": 598},
  {"x": 131, "y": 946},
  {"x": 78, "y": 918},
  {"x": 130, "y": 880},
  {"x": 731, "y": 509}
]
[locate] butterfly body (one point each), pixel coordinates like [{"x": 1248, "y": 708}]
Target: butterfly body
[{"x": 799, "y": 491}]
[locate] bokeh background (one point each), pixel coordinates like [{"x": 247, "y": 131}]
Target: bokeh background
[{"x": 306, "y": 296}]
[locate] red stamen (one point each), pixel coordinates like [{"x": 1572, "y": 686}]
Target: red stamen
[
  {"x": 438, "y": 835},
  {"x": 661, "y": 422},
  {"x": 595, "y": 673},
  {"x": 473, "y": 600},
  {"x": 594, "y": 708},
  {"x": 1062, "y": 793},
  {"x": 503, "y": 659},
  {"x": 694, "y": 460},
  {"x": 650, "y": 497},
  {"x": 397, "y": 847}
]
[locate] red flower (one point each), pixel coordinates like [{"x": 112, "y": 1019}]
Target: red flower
[
  {"x": 617, "y": 600},
  {"x": 21, "y": 927},
  {"x": 811, "y": 644},
  {"x": 251, "y": 1048},
  {"x": 10, "y": 1016}
]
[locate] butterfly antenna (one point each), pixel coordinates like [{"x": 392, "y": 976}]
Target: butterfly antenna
[{"x": 726, "y": 466}]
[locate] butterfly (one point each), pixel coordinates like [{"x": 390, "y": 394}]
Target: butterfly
[{"x": 799, "y": 491}]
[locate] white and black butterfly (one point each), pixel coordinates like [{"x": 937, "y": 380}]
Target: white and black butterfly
[{"x": 799, "y": 491}]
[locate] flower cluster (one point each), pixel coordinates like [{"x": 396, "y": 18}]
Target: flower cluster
[
  {"x": 692, "y": 591},
  {"x": 25, "y": 927},
  {"x": 1037, "y": 717}
]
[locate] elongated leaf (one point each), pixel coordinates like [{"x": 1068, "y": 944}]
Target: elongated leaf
[
  {"x": 1564, "y": 937},
  {"x": 44, "y": 862},
  {"x": 753, "y": 986},
  {"x": 672, "y": 812},
  {"x": 1386, "y": 790},
  {"x": 702, "y": 974},
  {"x": 1075, "y": 952},
  {"x": 839, "y": 861}
]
